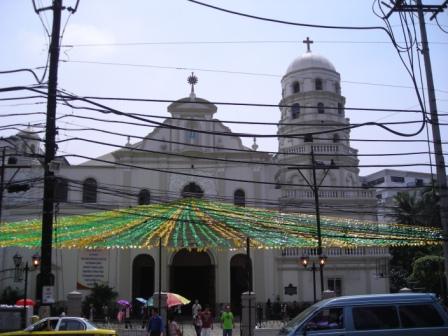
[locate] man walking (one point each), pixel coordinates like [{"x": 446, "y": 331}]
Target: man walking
[
  {"x": 155, "y": 324},
  {"x": 196, "y": 308},
  {"x": 227, "y": 321}
]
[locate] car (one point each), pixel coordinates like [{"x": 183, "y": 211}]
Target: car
[
  {"x": 376, "y": 314},
  {"x": 64, "y": 325}
]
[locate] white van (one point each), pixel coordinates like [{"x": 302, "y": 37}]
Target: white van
[{"x": 379, "y": 314}]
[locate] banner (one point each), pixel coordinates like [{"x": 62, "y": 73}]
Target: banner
[{"x": 92, "y": 268}]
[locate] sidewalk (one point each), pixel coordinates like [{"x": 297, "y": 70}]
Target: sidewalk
[{"x": 187, "y": 329}]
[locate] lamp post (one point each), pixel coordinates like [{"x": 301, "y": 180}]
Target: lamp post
[
  {"x": 315, "y": 188},
  {"x": 305, "y": 261},
  {"x": 17, "y": 258}
]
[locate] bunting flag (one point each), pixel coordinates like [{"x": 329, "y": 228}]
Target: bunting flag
[{"x": 201, "y": 224}]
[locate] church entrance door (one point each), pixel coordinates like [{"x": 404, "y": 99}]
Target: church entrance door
[
  {"x": 192, "y": 275},
  {"x": 142, "y": 276}
]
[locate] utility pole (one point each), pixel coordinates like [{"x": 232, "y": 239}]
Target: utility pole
[
  {"x": 2, "y": 181},
  {"x": 400, "y": 6},
  {"x": 315, "y": 188},
  {"x": 46, "y": 278}
]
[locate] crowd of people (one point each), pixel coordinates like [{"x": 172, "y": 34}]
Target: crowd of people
[{"x": 202, "y": 320}]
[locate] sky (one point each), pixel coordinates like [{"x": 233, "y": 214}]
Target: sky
[{"x": 148, "y": 48}]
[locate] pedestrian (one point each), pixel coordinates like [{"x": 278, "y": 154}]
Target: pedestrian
[
  {"x": 227, "y": 321},
  {"x": 91, "y": 312},
  {"x": 144, "y": 316},
  {"x": 196, "y": 308},
  {"x": 197, "y": 323},
  {"x": 155, "y": 324},
  {"x": 207, "y": 322},
  {"x": 120, "y": 315},
  {"x": 259, "y": 314},
  {"x": 106, "y": 313},
  {"x": 173, "y": 327},
  {"x": 127, "y": 317}
]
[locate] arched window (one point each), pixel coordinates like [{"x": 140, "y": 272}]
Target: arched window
[
  {"x": 320, "y": 108},
  {"x": 191, "y": 136},
  {"x": 295, "y": 111},
  {"x": 89, "y": 189},
  {"x": 192, "y": 190},
  {"x": 144, "y": 197},
  {"x": 337, "y": 87},
  {"x": 239, "y": 197},
  {"x": 336, "y": 138},
  {"x": 60, "y": 189},
  {"x": 340, "y": 109},
  {"x": 318, "y": 84},
  {"x": 295, "y": 87}
]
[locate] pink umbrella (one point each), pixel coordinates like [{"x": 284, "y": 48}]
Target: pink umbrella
[{"x": 173, "y": 299}]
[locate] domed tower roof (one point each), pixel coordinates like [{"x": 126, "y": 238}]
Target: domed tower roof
[
  {"x": 192, "y": 105},
  {"x": 310, "y": 60}
]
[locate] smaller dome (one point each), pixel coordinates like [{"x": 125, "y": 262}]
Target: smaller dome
[{"x": 310, "y": 60}]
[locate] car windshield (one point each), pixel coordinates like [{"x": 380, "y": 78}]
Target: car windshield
[
  {"x": 291, "y": 325},
  {"x": 89, "y": 325}
]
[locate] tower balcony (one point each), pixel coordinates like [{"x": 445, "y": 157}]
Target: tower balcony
[
  {"x": 324, "y": 148},
  {"x": 336, "y": 194}
]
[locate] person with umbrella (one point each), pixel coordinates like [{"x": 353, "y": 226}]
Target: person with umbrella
[
  {"x": 127, "y": 316},
  {"x": 155, "y": 324}
]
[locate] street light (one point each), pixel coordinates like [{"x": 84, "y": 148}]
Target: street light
[
  {"x": 315, "y": 188},
  {"x": 305, "y": 260},
  {"x": 17, "y": 258}
]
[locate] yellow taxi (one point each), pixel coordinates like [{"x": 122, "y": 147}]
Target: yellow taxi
[{"x": 64, "y": 325}]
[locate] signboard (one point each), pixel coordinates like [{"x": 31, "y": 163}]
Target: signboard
[
  {"x": 290, "y": 290},
  {"x": 92, "y": 268},
  {"x": 47, "y": 294}
]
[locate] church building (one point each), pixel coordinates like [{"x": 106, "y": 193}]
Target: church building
[{"x": 193, "y": 154}]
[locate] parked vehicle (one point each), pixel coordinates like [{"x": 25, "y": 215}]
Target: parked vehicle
[
  {"x": 64, "y": 325},
  {"x": 378, "y": 314}
]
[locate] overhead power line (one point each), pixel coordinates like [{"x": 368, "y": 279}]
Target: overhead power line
[{"x": 258, "y": 74}]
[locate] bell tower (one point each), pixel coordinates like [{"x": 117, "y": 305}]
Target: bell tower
[{"x": 313, "y": 119}]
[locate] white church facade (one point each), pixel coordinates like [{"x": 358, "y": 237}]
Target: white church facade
[{"x": 194, "y": 154}]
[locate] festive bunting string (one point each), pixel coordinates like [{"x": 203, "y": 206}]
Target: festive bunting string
[{"x": 202, "y": 224}]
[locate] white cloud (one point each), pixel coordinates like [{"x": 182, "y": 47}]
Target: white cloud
[{"x": 77, "y": 34}]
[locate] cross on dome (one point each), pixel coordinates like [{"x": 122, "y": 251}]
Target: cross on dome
[
  {"x": 308, "y": 42},
  {"x": 192, "y": 80}
]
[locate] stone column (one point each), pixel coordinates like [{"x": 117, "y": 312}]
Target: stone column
[
  {"x": 248, "y": 313},
  {"x": 327, "y": 294},
  {"x": 74, "y": 304}
]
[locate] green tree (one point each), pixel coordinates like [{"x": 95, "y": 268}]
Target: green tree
[
  {"x": 10, "y": 295},
  {"x": 427, "y": 274},
  {"x": 407, "y": 208},
  {"x": 99, "y": 296},
  {"x": 417, "y": 208}
]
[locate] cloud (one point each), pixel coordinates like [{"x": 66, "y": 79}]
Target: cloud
[{"x": 85, "y": 35}]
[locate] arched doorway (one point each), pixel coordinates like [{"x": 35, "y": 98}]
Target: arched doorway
[
  {"x": 239, "y": 280},
  {"x": 192, "y": 190},
  {"x": 143, "y": 276},
  {"x": 192, "y": 275}
]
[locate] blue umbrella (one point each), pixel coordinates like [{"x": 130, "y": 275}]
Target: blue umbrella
[
  {"x": 141, "y": 300},
  {"x": 150, "y": 302}
]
